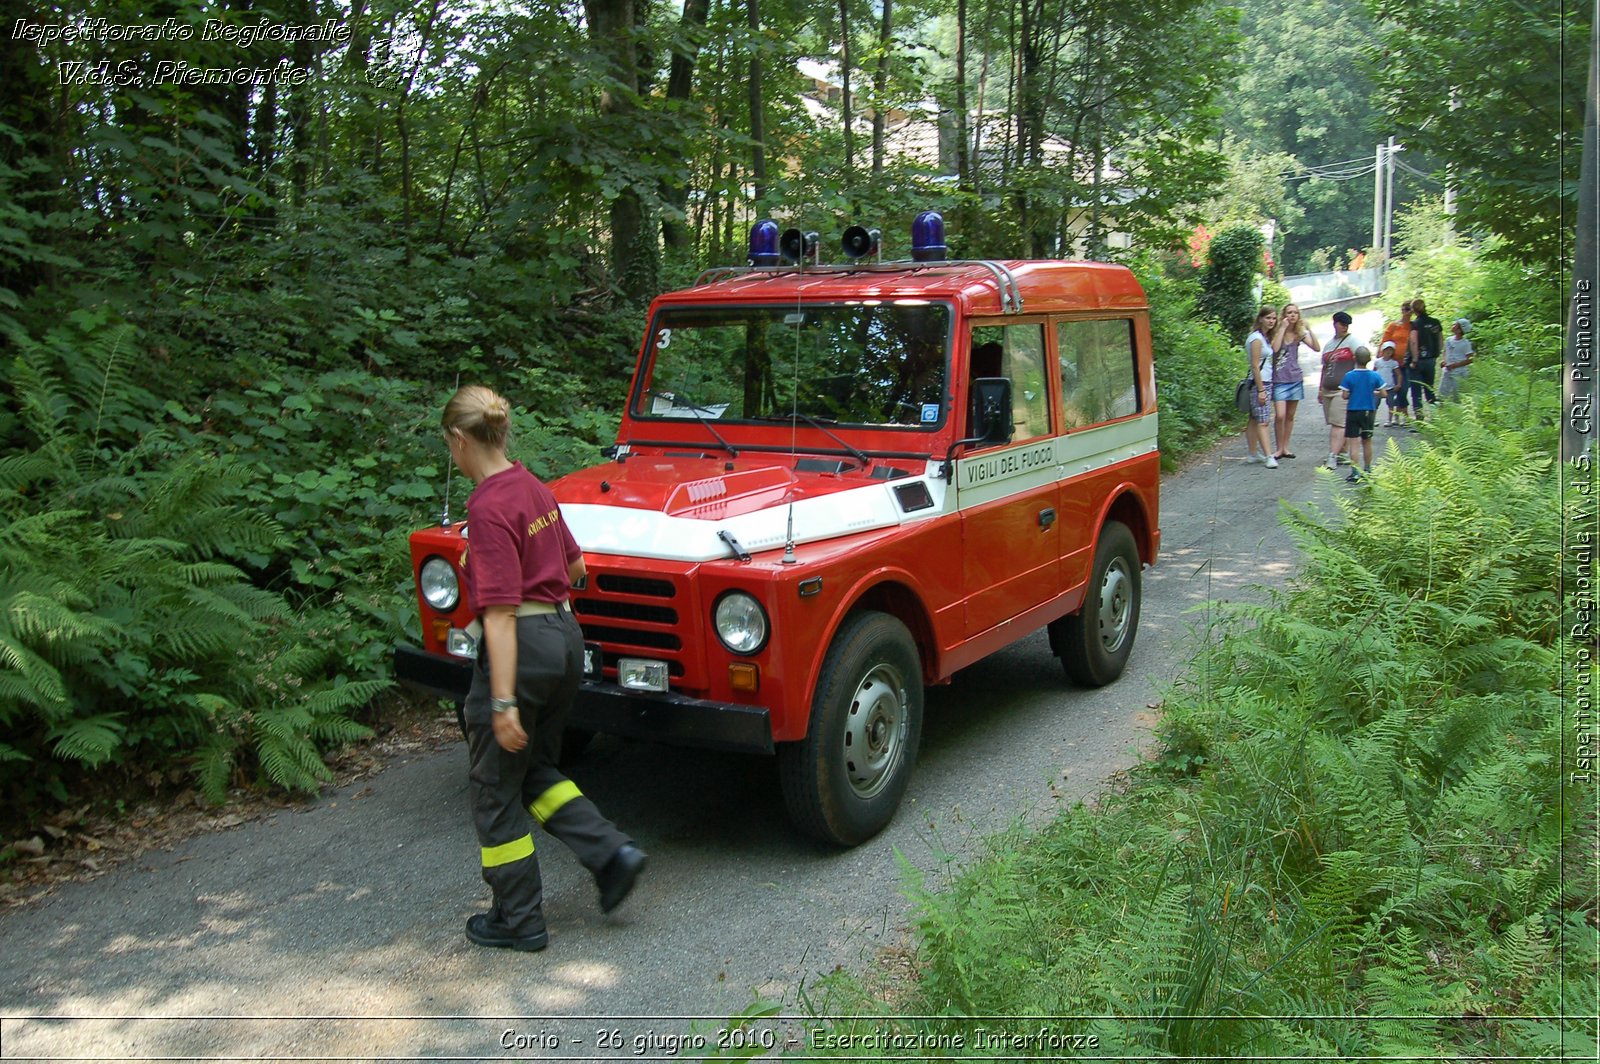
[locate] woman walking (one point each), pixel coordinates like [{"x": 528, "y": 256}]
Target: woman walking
[
  {"x": 520, "y": 566},
  {"x": 1288, "y": 381}
]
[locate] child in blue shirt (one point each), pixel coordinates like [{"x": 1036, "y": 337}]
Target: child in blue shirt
[{"x": 1361, "y": 388}]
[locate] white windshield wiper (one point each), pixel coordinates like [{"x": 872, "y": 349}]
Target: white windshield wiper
[{"x": 683, "y": 402}]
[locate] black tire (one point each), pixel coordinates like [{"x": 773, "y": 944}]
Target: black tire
[
  {"x": 1095, "y": 642},
  {"x": 843, "y": 782}
]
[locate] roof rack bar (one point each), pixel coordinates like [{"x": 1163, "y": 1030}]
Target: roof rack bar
[{"x": 1005, "y": 281}]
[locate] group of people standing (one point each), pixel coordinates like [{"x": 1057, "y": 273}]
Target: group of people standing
[{"x": 1352, "y": 385}]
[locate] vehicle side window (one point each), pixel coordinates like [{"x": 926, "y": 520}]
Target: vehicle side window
[
  {"x": 1021, "y": 360},
  {"x": 1099, "y": 371}
]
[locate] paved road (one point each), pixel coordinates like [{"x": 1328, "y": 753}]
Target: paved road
[{"x": 249, "y": 943}]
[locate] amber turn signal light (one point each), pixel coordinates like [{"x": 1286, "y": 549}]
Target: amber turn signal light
[{"x": 745, "y": 677}]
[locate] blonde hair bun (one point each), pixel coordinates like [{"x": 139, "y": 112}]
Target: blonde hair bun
[{"x": 481, "y": 413}]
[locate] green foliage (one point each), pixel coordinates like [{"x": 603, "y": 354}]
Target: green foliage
[
  {"x": 1359, "y": 840},
  {"x": 1303, "y": 105},
  {"x": 1371, "y": 833},
  {"x": 1515, "y": 309},
  {"x": 1479, "y": 101},
  {"x": 1196, "y": 366},
  {"x": 1228, "y": 285},
  {"x": 127, "y": 630},
  {"x": 1256, "y": 189}
]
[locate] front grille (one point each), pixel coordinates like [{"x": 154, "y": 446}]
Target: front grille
[
  {"x": 633, "y": 616},
  {"x": 614, "y": 584},
  {"x": 625, "y": 611},
  {"x": 631, "y": 637}
]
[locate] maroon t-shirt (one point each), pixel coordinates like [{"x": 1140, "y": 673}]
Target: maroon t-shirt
[{"x": 518, "y": 547}]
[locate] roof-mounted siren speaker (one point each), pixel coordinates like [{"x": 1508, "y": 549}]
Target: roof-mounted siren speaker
[
  {"x": 927, "y": 237},
  {"x": 797, "y": 246},
  {"x": 764, "y": 243},
  {"x": 859, "y": 242}
]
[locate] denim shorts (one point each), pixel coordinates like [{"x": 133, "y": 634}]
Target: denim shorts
[{"x": 1288, "y": 390}]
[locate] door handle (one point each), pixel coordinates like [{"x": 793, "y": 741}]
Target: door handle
[{"x": 1047, "y": 517}]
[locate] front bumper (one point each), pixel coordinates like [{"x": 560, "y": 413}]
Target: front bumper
[
  {"x": 673, "y": 718},
  {"x": 605, "y": 707},
  {"x": 445, "y": 675}
]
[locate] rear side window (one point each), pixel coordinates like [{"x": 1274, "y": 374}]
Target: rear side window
[{"x": 1099, "y": 372}]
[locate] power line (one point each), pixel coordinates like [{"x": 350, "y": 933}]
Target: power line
[
  {"x": 1344, "y": 175},
  {"x": 1412, "y": 170}
]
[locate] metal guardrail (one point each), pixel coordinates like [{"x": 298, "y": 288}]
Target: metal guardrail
[{"x": 1336, "y": 286}]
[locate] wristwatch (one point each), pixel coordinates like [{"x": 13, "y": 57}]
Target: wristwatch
[{"x": 500, "y": 705}]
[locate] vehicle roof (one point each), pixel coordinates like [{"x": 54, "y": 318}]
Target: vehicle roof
[{"x": 1051, "y": 285}]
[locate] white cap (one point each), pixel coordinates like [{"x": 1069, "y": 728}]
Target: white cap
[
  {"x": 1466, "y": 326},
  {"x": 1388, "y": 345}
]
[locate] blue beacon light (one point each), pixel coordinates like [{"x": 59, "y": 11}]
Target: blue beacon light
[
  {"x": 764, "y": 243},
  {"x": 927, "y": 237}
]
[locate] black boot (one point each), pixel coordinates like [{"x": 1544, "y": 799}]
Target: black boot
[{"x": 617, "y": 878}]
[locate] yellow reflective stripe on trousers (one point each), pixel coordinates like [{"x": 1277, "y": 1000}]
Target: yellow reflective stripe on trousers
[
  {"x": 506, "y": 852},
  {"x": 550, "y": 802}
]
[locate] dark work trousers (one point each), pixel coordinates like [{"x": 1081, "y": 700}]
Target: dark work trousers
[
  {"x": 510, "y": 791},
  {"x": 1421, "y": 380}
]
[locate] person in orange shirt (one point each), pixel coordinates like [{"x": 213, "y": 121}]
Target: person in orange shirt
[{"x": 1399, "y": 333}]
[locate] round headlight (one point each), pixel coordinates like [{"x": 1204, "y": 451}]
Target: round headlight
[
  {"x": 741, "y": 623},
  {"x": 437, "y": 579}
]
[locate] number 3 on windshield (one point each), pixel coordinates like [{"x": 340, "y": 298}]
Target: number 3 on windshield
[{"x": 663, "y": 338}]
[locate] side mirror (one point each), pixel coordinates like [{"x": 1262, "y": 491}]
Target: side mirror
[
  {"x": 991, "y": 409},
  {"x": 990, "y": 405}
]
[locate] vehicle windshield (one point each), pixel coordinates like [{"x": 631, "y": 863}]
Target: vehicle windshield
[{"x": 878, "y": 364}]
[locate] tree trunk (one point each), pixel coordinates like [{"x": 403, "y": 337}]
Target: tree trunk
[
  {"x": 983, "y": 91},
  {"x": 846, "y": 109},
  {"x": 758, "y": 125},
  {"x": 633, "y": 258},
  {"x": 963, "y": 156},
  {"x": 880, "y": 85},
  {"x": 680, "y": 83}
]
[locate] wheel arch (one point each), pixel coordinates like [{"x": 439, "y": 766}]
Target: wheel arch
[
  {"x": 1128, "y": 506},
  {"x": 900, "y": 601},
  {"x": 886, "y": 592}
]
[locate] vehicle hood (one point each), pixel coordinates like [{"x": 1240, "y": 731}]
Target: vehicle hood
[{"x": 676, "y": 507}]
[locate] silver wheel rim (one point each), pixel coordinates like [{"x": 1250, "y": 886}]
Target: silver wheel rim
[
  {"x": 1116, "y": 605},
  {"x": 875, "y": 730}
]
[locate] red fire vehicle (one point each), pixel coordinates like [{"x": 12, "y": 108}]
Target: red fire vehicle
[{"x": 834, "y": 485}]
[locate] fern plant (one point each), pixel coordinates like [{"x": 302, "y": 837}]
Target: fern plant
[
  {"x": 126, "y": 629},
  {"x": 1361, "y": 818}
]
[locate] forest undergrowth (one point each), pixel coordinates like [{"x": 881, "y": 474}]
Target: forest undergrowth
[{"x": 1362, "y": 835}]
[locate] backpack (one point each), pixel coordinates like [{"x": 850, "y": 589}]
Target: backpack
[
  {"x": 1334, "y": 369},
  {"x": 1430, "y": 339}
]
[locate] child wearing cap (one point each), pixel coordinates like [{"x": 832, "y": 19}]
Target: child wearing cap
[
  {"x": 1457, "y": 357},
  {"x": 1388, "y": 367}
]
